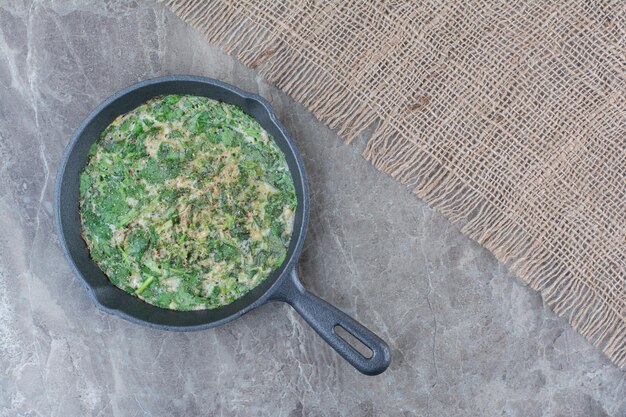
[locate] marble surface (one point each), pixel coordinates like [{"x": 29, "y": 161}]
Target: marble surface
[{"x": 468, "y": 338}]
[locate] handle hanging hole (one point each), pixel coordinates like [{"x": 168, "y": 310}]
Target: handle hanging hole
[{"x": 353, "y": 341}]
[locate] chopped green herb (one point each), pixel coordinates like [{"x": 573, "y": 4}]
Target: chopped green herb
[{"x": 145, "y": 285}]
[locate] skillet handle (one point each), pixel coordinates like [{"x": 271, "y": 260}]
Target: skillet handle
[{"x": 324, "y": 318}]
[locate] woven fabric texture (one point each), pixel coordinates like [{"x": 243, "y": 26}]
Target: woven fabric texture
[{"x": 508, "y": 117}]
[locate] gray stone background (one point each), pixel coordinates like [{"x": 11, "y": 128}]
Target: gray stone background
[{"x": 468, "y": 338}]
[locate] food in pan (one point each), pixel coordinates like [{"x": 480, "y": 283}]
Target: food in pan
[{"x": 186, "y": 202}]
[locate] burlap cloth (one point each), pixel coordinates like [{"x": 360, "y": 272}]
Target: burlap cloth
[{"x": 508, "y": 117}]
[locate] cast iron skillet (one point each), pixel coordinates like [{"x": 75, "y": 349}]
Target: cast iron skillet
[{"x": 282, "y": 285}]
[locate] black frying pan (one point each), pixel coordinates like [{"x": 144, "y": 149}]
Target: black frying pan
[{"x": 282, "y": 285}]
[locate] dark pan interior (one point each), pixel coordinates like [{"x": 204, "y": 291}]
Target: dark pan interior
[{"x": 105, "y": 294}]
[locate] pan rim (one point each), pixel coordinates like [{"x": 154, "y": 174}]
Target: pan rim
[{"x": 299, "y": 234}]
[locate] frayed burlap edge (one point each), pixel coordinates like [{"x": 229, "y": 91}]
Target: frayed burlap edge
[
  {"x": 567, "y": 295},
  {"x": 390, "y": 152}
]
